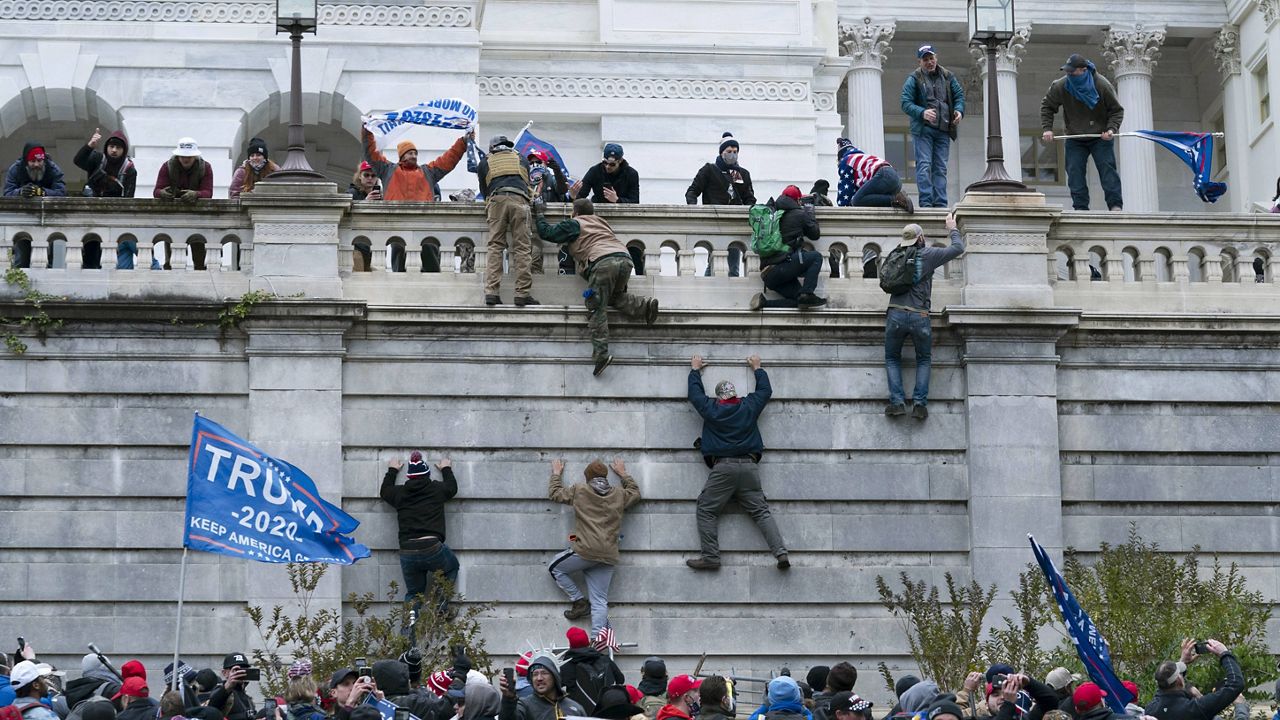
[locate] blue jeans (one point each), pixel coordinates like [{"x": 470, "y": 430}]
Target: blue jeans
[
  {"x": 125, "y": 250},
  {"x": 1104, "y": 158},
  {"x": 879, "y": 190},
  {"x": 784, "y": 278},
  {"x": 933, "y": 150},
  {"x": 419, "y": 568},
  {"x": 898, "y": 325}
]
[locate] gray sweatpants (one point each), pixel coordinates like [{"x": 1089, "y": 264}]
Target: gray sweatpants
[
  {"x": 598, "y": 576},
  {"x": 734, "y": 478}
]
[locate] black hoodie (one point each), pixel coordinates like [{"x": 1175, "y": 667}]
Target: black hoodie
[
  {"x": 392, "y": 677},
  {"x": 419, "y": 503},
  {"x": 108, "y": 177}
]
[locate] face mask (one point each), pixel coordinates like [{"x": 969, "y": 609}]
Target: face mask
[
  {"x": 600, "y": 485},
  {"x": 730, "y": 157},
  {"x": 257, "y": 165},
  {"x": 695, "y": 707}
]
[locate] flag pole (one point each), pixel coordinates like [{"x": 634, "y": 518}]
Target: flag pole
[
  {"x": 1089, "y": 136},
  {"x": 177, "y": 635}
]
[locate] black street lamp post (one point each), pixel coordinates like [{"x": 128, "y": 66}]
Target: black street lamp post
[
  {"x": 296, "y": 17},
  {"x": 991, "y": 23}
]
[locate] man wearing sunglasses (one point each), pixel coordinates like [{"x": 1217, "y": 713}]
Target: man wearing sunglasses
[{"x": 612, "y": 180}]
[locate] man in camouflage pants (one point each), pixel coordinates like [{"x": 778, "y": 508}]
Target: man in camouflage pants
[{"x": 604, "y": 261}]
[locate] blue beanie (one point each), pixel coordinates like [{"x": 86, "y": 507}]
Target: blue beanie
[
  {"x": 613, "y": 150},
  {"x": 783, "y": 690}
]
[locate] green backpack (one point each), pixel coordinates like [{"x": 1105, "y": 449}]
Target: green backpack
[{"x": 766, "y": 232}]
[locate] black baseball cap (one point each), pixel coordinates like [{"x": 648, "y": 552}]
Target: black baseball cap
[
  {"x": 341, "y": 675},
  {"x": 233, "y": 660},
  {"x": 1075, "y": 62}
]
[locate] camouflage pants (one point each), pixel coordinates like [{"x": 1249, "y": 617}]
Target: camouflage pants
[{"x": 608, "y": 281}]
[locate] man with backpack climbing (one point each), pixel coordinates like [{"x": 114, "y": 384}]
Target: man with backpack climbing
[
  {"x": 777, "y": 234},
  {"x": 907, "y": 275}
]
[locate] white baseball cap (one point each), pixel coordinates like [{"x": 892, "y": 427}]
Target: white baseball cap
[
  {"x": 27, "y": 672},
  {"x": 187, "y": 147}
]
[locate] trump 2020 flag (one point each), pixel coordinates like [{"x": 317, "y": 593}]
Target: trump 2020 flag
[
  {"x": 244, "y": 503},
  {"x": 527, "y": 141},
  {"x": 1090, "y": 645},
  {"x": 1196, "y": 150},
  {"x": 442, "y": 112}
]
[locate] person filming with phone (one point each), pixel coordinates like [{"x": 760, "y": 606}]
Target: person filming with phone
[
  {"x": 612, "y": 180},
  {"x": 348, "y": 688},
  {"x": 230, "y": 697},
  {"x": 1176, "y": 700}
]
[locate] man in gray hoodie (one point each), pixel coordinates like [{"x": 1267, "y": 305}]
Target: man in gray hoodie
[{"x": 548, "y": 701}]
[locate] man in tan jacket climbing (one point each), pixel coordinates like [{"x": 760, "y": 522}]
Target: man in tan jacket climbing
[{"x": 593, "y": 546}]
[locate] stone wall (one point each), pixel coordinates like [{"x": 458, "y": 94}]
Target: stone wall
[{"x": 1064, "y": 408}]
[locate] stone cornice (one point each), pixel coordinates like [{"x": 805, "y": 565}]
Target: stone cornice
[
  {"x": 1133, "y": 51},
  {"x": 867, "y": 43},
  {"x": 250, "y": 13},
  {"x": 1270, "y": 10},
  {"x": 1226, "y": 49},
  {"x": 647, "y": 88}
]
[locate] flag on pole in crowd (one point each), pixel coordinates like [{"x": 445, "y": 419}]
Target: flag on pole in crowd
[
  {"x": 527, "y": 141},
  {"x": 245, "y": 503},
  {"x": 1090, "y": 645},
  {"x": 606, "y": 641},
  {"x": 1196, "y": 150},
  {"x": 450, "y": 113}
]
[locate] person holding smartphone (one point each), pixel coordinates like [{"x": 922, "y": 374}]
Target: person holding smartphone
[
  {"x": 1174, "y": 699},
  {"x": 230, "y": 697},
  {"x": 612, "y": 180}
]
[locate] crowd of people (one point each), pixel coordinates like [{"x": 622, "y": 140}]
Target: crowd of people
[{"x": 583, "y": 681}]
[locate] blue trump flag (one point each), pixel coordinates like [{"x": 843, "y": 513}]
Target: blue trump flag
[
  {"x": 1090, "y": 645},
  {"x": 527, "y": 141},
  {"x": 1196, "y": 150},
  {"x": 244, "y": 503}
]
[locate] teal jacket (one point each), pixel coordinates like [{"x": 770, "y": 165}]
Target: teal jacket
[{"x": 913, "y": 99}]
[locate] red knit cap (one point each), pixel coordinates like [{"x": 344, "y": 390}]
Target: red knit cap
[
  {"x": 522, "y": 663},
  {"x": 577, "y": 638},
  {"x": 438, "y": 682},
  {"x": 35, "y": 153},
  {"x": 133, "y": 668},
  {"x": 792, "y": 192}
]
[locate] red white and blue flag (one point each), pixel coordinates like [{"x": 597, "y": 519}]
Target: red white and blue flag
[
  {"x": 527, "y": 141},
  {"x": 1196, "y": 150}
]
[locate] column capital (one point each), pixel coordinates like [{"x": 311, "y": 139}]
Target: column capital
[
  {"x": 1226, "y": 49},
  {"x": 1008, "y": 54},
  {"x": 867, "y": 42},
  {"x": 1133, "y": 50},
  {"x": 1270, "y": 10}
]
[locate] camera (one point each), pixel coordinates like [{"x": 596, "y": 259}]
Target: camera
[
  {"x": 1201, "y": 648},
  {"x": 997, "y": 682}
]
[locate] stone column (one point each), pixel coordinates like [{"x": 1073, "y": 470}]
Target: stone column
[
  {"x": 1008, "y": 57},
  {"x": 866, "y": 43},
  {"x": 1132, "y": 53},
  {"x": 1009, "y": 331},
  {"x": 295, "y": 237},
  {"x": 1226, "y": 50}
]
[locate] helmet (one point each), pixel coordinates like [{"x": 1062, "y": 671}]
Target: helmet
[{"x": 500, "y": 141}]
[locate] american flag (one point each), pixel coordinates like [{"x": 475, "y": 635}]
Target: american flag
[{"x": 606, "y": 641}]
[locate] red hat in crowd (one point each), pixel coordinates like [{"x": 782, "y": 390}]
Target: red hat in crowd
[
  {"x": 1132, "y": 687},
  {"x": 682, "y": 684},
  {"x": 634, "y": 693},
  {"x": 538, "y": 153},
  {"x": 577, "y": 638},
  {"x": 133, "y": 687},
  {"x": 35, "y": 153},
  {"x": 792, "y": 192},
  {"x": 438, "y": 682},
  {"x": 365, "y": 166},
  {"x": 133, "y": 668},
  {"x": 522, "y": 663},
  {"x": 1086, "y": 696}
]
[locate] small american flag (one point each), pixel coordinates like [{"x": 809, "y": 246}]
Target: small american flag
[{"x": 605, "y": 640}]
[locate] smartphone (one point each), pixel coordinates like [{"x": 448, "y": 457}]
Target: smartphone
[
  {"x": 253, "y": 675},
  {"x": 510, "y": 675},
  {"x": 269, "y": 708},
  {"x": 1201, "y": 648}
]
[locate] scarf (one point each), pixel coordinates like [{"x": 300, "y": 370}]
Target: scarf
[{"x": 1083, "y": 88}]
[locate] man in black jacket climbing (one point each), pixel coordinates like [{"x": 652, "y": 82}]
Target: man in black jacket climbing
[{"x": 419, "y": 505}]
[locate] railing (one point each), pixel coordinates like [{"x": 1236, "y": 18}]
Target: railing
[{"x": 1085, "y": 253}]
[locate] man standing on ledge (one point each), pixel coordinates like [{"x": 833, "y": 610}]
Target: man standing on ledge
[
  {"x": 504, "y": 182},
  {"x": 934, "y": 100},
  {"x": 1089, "y": 107},
  {"x": 908, "y": 315},
  {"x": 731, "y": 446}
]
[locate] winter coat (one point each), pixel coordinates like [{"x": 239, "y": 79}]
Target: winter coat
[
  {"x": 555, "y": 186},
  {"x": 234, "y": 704},
  {"x": 798, "y": 223},
  {"x": 246, "y": 177},
  {"x": 729, "y": 429},
  {"x": 108, "y": 178},
  {"x": 1079, "y": 118},
  {"x": 536, "y": 707},
  {"x": 915, "y": 98},
  {"x": 172, "y": 175},
  {"x": 422, "y": 183},
  {"x": 579, "y": 663},
  {"x": 712, "y": 184},
  {"x": 1179, "y": 705},
  {"x": 671, "y": 712},
  {"x": 140, "y": 709},
  {"x": 483, "y": 702},
  {"x": 419, "y": 504},
  {"x": 392, "y": 677},
  {"x": 597, "y": 521},
  {"x": 625, "y": 181},
  {"x": 16, "y": 178},
  {"x": 33, "y": 709}
]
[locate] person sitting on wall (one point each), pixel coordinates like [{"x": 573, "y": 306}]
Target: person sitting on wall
[
  {"x": 867, "y": 181},
  {"x": 253, "y": 170},
  {"x": 612, "y": 180},
  {"x": 186, "y": 176}
]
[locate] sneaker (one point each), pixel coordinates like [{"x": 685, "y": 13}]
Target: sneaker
[
  {"x": 581, "y": 608},
  {"x": 902, "y": 202},
  {"x": 601, "y": 364},
  {"x": 523, "y": 301},
  {"x": 757, "y": 301},
  {"x": 492, "y": 300},
  {"x": 920, "y": 412},
  {"x": 895, "y": 409},
  {"x": 701, "y": 563},
  {"x": 809, "y": 300},
  {"x": 784, "y": 563},
  {"x": 651, "y": 311}
]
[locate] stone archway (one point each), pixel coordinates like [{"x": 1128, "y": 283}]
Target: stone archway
[{"x": 332, "y": 133}]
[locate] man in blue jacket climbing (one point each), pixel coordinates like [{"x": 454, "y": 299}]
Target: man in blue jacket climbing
[{"x": 731, "y": 446}]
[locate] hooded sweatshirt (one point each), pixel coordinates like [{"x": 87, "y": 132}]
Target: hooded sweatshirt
[
  {"x": 108, "y": 177},
  {"x": 483, "y": 702},
  {"x": 597, "y": 518},
  {"x": 919, "y": 696},
  {"x": 419, "y": 503},
  {"x": 17, "y": 177},
  {"x": 392, "y": 677},
  {"x": 536, "y": 707}
]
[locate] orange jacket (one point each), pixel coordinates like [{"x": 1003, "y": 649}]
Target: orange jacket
[{"x": 420, "y": 184}]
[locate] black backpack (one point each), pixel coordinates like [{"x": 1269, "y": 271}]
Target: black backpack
[
  {"x": 901, "y": 270},
  {"x": 589, "y": 680}
]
